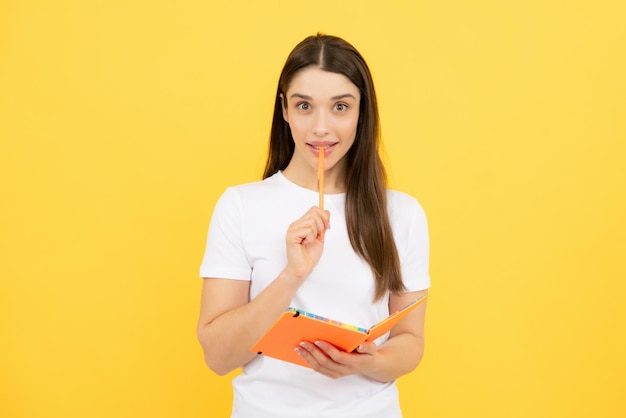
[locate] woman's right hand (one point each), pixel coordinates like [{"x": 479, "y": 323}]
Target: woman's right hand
[{"x": 305, "y": 242}]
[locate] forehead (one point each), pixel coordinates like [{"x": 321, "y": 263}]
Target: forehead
[{"x": 320, "y": 84}]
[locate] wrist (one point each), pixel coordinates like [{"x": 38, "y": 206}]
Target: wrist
[{"x": 291, "y": 278}]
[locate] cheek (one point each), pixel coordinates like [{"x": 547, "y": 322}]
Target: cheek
[
  {"x": 349, "y": 126},
  {"x": 298, "y": 126}
]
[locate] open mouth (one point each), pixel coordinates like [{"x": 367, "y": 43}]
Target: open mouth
[{"x": 322, "y": 146}]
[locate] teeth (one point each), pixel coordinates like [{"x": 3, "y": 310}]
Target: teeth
[{"x": 321, "y": 146}]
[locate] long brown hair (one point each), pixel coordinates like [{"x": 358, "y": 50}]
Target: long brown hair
[{"x": 367, "y": 217}]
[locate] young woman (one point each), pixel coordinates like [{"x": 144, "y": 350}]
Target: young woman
[{"x": 270, "y": 247}]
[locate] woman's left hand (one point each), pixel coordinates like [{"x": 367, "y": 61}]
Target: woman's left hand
[{"x": 330, "y": 361}]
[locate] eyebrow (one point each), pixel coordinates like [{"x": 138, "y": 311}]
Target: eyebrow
[{"x": 339, "y": 97}]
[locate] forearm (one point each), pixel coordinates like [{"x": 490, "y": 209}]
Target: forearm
[
  {"x": 226, "y": 339},
  {"x": 398, "y": 356}
]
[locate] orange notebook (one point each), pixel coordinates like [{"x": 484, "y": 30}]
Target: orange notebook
[{"x": 295, "y": 326}]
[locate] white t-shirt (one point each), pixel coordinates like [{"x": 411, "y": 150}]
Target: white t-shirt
[{"x": 246, "y": 241}]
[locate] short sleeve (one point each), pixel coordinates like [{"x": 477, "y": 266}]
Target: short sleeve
[
  {"x": 412, "y": 241},
  {"x": 224, "y": 255}
]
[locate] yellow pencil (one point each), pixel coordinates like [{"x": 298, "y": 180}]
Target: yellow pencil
[{"x": 320, "y": 176}]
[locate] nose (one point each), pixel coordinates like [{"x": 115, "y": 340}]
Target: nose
[{"x": 320, "y": 124}]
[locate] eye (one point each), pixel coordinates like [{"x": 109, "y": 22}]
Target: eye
[
  {"x": 303, "y": 106},
  {"x": 341, "y": 107}
]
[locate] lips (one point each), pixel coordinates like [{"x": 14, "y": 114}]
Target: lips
[{"x": 327, "y": 146}]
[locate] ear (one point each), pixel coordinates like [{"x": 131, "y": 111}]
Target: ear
[{"x": 283, "y": 105}]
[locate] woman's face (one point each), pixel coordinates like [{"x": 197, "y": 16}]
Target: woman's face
[{"x": 322, "y": 110}]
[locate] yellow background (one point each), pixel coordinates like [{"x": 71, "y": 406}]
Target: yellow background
[{"x": 121, "y": 122}]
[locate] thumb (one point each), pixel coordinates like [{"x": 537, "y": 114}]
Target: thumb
[{"x": 367, "y": 347}]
